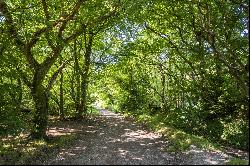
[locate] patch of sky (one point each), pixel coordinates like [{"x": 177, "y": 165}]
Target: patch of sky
[
  {"x": 128, "y": 32},
  {"x": 2, "y": 18},
  {"x": 163, "y": 56},
  {"x": 244, "y": 32},
  {"x": 103, "y": 60}
]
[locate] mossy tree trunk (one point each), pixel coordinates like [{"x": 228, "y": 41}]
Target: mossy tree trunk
[
  {"x": 85, "y": 76},
  {"x": 40, "y": 121},
  {"x": 77, "y": 79}
]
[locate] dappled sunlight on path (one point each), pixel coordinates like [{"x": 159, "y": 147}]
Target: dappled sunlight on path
[
  {"x": 113, "y": 140},
  {"x": 110, "y": 139}
]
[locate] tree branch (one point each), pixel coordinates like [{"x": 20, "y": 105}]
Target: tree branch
[
  {"x": 99, "y": 20},
  {"x": 45, "y": 10},
  {"x": 25, "y": 48},
  {"x": 70, "y": 16},
  {"x": 166, "y": 37},
  {"x": 57, "y": 49},
  {"x": 64, "y": 20},
  {"x": 53, "y": 78},
  {"x": 11, "y": 27},
  {"x": 23, "y": 77},
  {"x": 78, "y": 32}
]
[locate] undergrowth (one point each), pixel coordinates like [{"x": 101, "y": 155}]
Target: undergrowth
[{"x": 21, "y": 150}]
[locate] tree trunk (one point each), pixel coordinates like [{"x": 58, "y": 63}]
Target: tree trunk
[
  {"x": 163, "y": 79},
  {"x": 84, "y": 87},
  {"x": 85, "y": 76},
  {"x": 61, "y": 101},
  {"x": 78, "y": 92},
  {"x": 20, "y": 93},
  {"x": 40, "y": 97},
  {"x": 77, "y": 79},
  {"x": 163, "y": 84},
  {"x": 83, "y": 104},
  {"x": 61, "y": 97}
]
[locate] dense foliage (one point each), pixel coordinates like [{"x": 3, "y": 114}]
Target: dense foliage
[{"x": 183, "y": 61}]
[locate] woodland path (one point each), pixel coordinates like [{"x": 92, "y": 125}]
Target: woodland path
[{"x": 110, "y": 139}]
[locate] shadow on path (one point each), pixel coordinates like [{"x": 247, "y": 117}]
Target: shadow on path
[{"x": 111, "y": 140}]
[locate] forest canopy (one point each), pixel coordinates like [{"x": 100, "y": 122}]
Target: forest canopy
[{"x": 184, "y": 62}]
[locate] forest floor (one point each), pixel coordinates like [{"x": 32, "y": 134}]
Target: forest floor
[{"x": 111, "y": 139}]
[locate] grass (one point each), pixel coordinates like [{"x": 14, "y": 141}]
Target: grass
[
  {"x": 237, "y": 161},
  {"x": 179, "y": 140},
  {"x": 20, "y": 150},
  {"x": 62, "y": 133}
]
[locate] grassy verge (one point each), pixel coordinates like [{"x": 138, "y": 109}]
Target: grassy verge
[
  {"x": 62, "y": 134},
  {"x": 179, "y": 140},
  {"x": 19, "y": 150},
  {"x": 237, "y": 161}
]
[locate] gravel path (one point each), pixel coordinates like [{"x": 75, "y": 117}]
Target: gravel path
[{"x": 112, "y": 140}]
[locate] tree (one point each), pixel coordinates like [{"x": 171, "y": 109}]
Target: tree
[{"x": 56, "y": 37}]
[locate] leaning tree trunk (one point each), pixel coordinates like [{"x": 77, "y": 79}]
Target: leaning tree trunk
[{"x": 40, "y": 97}]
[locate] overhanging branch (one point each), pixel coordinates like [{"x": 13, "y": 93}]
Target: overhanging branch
[
  {"x": 54, "y": 76},
  {"x": 166, "y": 37}
]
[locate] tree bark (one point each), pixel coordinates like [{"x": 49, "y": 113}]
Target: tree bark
[
  {"x": 163, "y": 84},
  {"x": 61, "y": 103},
  {"x": 85, "y": 76},
  {"x": 77, "y": 79},
  {"x": 40, "y": 121},
  {"x": 20, "y": 95}
]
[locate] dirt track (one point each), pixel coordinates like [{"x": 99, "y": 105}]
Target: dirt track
[{"x": 112, "y": 140}]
